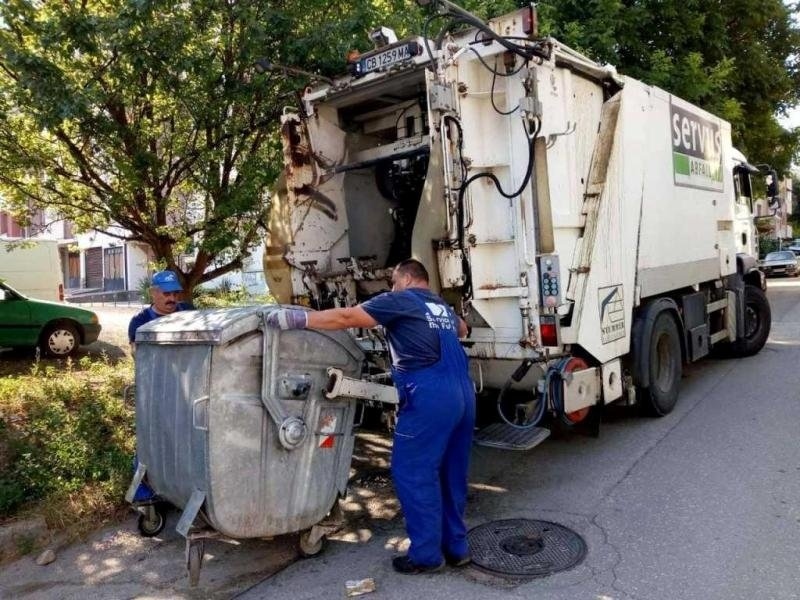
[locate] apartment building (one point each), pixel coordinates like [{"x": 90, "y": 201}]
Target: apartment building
[
  {"x": 98, "y": 263},
  {"x": 90, "y": 262}
]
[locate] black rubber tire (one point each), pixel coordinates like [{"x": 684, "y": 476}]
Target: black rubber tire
[
  {"x": 60, "y": 340},
  {"x": 758, "y": 322},
  {"x": 151, "y": 528},
  {"x": 665, "y": 368}
]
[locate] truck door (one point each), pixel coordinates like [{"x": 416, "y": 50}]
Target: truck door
[
  {"x": 309, "y": 220},
  {"x": 743, "y": 206}
]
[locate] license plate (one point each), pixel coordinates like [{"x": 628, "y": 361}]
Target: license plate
[{"x": 386, "y": 58}]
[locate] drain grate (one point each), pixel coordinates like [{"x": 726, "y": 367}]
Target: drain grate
[{"x": 524, "y": 548}]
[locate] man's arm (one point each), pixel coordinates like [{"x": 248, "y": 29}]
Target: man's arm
[
  {"x": 463, "y": 328},
  {"x": 333, "y": 318},
  {"x": 133, "y": 325},
  {"x": 340, "y": 318}
]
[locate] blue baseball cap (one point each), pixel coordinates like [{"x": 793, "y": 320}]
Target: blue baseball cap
[{"x": 166, "y": 281}]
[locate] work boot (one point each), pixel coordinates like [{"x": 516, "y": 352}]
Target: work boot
[
  {"x": 403, "y": 564},
  {"x": 457, "y": 561}
]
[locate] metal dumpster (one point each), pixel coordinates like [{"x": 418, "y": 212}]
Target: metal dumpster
[{"x": 233, "y": 427}]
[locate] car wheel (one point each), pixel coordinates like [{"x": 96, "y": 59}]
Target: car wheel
[{"x": 60, "y": 340}]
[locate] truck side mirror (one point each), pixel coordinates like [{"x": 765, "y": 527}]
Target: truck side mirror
[{"x": 2, "y": 295}]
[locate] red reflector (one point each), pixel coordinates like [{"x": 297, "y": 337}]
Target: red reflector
[
  {"x": 549, "y": 335},
  {"x": 60, "y": 292},
  {"x": 548, "y": 330},
  {"x": 530, "y": 21}
]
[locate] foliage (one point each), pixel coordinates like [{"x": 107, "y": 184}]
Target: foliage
[
  {"x": 142, "y": 114},
  {"x": 144, "y": 290},
  {"x": 228, "y": 295},
  {"x": 767, "y": 245},
  {"x": 65, "y": 433}
]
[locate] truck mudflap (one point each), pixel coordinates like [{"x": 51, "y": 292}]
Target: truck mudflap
[
  {"x": 747, "y": 268},
  {"x": 641, "y": 332}
]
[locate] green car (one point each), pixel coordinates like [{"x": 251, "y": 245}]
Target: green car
[{"x": 58, "y": 329}]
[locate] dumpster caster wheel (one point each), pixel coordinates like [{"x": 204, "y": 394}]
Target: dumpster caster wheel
[
  {"x": 152, "y": 522},
  {"x": 194, "y": 561},
  {"x": 307, "y": 549}
]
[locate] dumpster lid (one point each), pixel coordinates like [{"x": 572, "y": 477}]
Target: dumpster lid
[
  {"x": 212, "y": 326},
  {"x": 219, "y": 326}
]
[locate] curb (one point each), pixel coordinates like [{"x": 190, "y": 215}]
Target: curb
[{"x": 18, "y": 538}]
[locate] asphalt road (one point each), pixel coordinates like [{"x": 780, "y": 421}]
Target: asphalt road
[{"x": 703, "y": 504}]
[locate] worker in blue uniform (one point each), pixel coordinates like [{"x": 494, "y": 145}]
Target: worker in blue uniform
[
  {"x": 430, "y": 455},
  {"x": 165, "y": 289}
]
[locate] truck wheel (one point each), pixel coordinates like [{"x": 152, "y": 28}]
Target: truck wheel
[
  {"x": 60, "y": 340},
  {"x": 757, "y": 323},
  {"x": 665, "y": 366}
]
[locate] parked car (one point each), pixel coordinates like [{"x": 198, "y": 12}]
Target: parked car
[
  {"x": 795, "y": 246},
  {"x": 58, "y": 329},
  {"x": 783, "y": 262}
]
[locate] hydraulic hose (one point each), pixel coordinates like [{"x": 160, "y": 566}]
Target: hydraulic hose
[
  {"x": 552, "y": 394},
  {"x": 554, "y": 388},
  {"x": 516, "y": 377}
]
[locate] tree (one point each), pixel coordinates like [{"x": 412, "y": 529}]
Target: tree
[{"x": 148, "y": 114}]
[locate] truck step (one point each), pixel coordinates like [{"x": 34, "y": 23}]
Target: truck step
[{"x": 506, "y": 437}]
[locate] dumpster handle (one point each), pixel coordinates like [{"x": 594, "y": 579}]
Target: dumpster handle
[
  {"x": 200, "y": 413},
  {"x": 292, "y": 431}
]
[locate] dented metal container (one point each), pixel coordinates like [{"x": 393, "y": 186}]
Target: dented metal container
[{"x": 232, "y": 423}]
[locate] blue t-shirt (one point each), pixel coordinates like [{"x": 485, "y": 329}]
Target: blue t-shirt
[
  {"x": 413, "y": 333},
  {"x": 148, "y": 314}
]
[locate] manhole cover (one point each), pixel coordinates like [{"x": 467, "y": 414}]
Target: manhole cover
[{"x": 524, "y": 548}]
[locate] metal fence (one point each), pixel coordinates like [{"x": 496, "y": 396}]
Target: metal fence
[{"x": 115, "y": 298}]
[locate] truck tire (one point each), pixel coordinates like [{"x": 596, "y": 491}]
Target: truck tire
[
  {"x": 757, "y": 323},
  {"x": 665, "y": 367}
]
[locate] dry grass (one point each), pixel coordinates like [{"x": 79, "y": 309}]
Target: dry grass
[{"x": 66, "y": 442}]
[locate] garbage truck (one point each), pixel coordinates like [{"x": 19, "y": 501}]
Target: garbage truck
[{"x": 595, "y": 232}]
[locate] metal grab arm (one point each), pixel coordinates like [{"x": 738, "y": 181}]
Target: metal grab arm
[{"x": 340, "y": 386}]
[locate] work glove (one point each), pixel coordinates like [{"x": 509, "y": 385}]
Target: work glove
[{"x": 287, "y": 318}]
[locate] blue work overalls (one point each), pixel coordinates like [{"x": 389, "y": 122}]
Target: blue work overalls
[{"x": 430, "y": 456}]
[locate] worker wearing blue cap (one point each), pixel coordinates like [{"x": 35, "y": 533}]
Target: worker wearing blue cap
[{"x": 165, "y": 289}]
